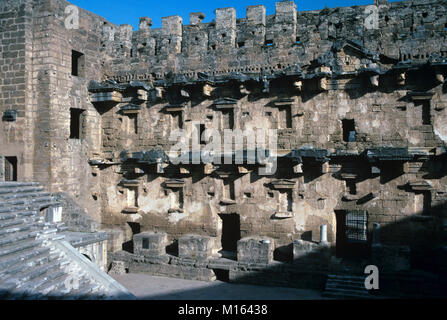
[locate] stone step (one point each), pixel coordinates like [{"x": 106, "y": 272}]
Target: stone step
[
  {"x": 54, "y": 281},
  {"x": 30, "y": 288},
  {"x": 18, "y": 236},
  {"x": 22, "y": 257},
  {"x": 340, "y": 285},
  {"x": 25, "y": 196},
  {"x": 15, "y": 214},
  {"x": 9, "y": 209},
  {"x": 23, "y": 266},
  {"x": 18, "y": 184},
  {"x": 22, "y": 246},
  {"x": 35, "y": 272},
  {"x": 18, "y": 190},
  {"x": 348, "y": 291},
  {"x": 346, "y": 277},
  {"x": 7, "y": 224},
  {"x": 348, "y": 282},
  {"x": 32, "y": 278},
  {"x": 337, "y": 295}
]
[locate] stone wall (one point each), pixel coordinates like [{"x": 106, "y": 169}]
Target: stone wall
[{"x": 309, "y": 75}]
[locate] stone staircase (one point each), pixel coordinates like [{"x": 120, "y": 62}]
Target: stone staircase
[
  {"x": 346, "y": 287},
  {"x": 35, "y": 263}
]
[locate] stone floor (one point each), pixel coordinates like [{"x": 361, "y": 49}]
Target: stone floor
[{"x": 160, "y": 288}]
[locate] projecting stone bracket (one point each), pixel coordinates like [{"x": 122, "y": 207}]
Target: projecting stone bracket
[
  {"x": 282, "y": 184},
  {"x": 280, "y": 215},
  {"x": 174, "y": 184}
]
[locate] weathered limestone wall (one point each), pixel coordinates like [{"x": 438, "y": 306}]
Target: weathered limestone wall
[
  {"x": 16, "y": 137},
  {"x": 322, "y": 66},
  {"x": 61, "y": 161}
]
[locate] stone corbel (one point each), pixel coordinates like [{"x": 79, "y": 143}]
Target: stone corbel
[
  {"x": 158, "y": 93},
  {"x": 142, "y": 95},
  {"x": 113, "y": 96},
  {"x": 420, "y": 185},
  {"x": 184, "y": 93},
  {"x": 242, "y": 169},
  {"x": 374, "y": 80},
  {"x": 298, "y": 85},
  {"x": 298, "y": 168},
  {"x": 440, "y": 77},
  {"x": 243, "y": 90},
  {"x": 207, "y": 90},
  {"x": 266, "y": 85},
  {"x": 184, "y": 170},
  {"x": 174, "y": 183},
  {"x": 322, "y": 84},
  {"x": 161, "y": 166},
  {"x": 325, "y": 167},
  {"x": 208, "y": 168},
  {"x": 402, "y": 78},
  {"x": 282, "y": 184}
]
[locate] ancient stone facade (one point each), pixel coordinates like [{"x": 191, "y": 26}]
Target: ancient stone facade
[{"x": 357, "y": 96}]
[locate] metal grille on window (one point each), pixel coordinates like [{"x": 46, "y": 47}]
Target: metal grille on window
[{"x": 356, "y": 226}]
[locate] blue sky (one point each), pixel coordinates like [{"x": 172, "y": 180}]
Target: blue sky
[{"x": 128, "y": 12}]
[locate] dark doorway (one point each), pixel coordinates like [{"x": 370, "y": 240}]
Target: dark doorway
[
  {"x": 352, "y": 241},
  {"x": 426, "y": 113},
  {"x": 77, "y": 63},
  {"x": 231, "y": 231},
  {"x": 348, "y": 130},
  {"x": 222, "y": 275},
  {"x": 135, "y": 227},
  {"x": 75, "y": 123},
  {"x": 10, "y": 168}
]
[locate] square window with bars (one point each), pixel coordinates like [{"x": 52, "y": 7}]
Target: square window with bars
[{"x": 356, "y": 222}]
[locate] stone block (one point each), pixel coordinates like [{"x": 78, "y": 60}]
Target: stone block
[
  {"x": 195, "y": 247},
  {"x": 150, "y": 243},
  {"x": 255, "y": 250},
  {"x": 117, "y": 267}
]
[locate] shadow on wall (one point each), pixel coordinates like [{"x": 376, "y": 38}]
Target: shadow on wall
[{"x": 419, "y": 271}]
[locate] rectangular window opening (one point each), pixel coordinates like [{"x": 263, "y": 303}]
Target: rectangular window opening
[
  {"x": 349, "y": 133},
  {"x": 75, "y": 123},
  {"x": 268, "y": 43},
  {"x": 228, "y": 119},
  {"x": 356, "y": 222},
  {"x": 200, "y": 131},
  {"x": 77, "y": 63},
  {"x": 426, "y": 113},
  {"x": 229, "y": 190},
  {"x": 285, "y": 115},
  {"x": 10, "y": 168}
]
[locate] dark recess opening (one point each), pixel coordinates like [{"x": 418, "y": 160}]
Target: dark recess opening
[
  {"x": 231, "y": 231},
  {"x": 145, "y": 243},
  {"x": 222, "y": 275},
  {"x": 77, "y": 63},
  {"x": 201, "y": 130},
  {"x": 269, "y": 43},
  {"x": 136, "y": 228},
  {"x": 10, "y": 168},
  {"x": 348, "y": 130},
  {"x": 228, "y": 118},
  {"x": 75, "y": 123},
  {"x": 286, "y": 116},
  {"x": 426, "y": 113}
]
